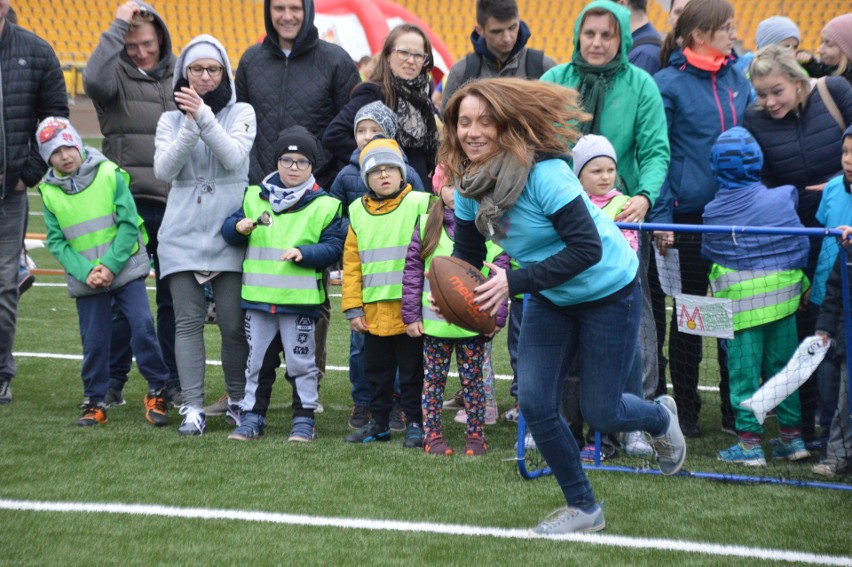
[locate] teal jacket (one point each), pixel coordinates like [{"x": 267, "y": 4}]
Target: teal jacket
[{"x": 634, "y": 119}]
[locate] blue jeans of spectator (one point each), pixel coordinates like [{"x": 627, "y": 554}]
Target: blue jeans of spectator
[
  {"x": 550, "y": 339},
  {"x": 360, "y": 386},
  {"x": 121, "y": 354},
  {"x": 13, "y": 217},
  {"x": 95, "y": 313}
]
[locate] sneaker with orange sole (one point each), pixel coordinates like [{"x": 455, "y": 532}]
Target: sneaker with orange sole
[
  {"x": 156, "y": 408},
  {"x": 436, "y": 444},
  {"x": 93, "y": 415},
  {"x": 476, "y": 445}
]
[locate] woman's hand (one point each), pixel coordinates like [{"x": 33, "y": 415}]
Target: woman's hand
[
  {"x": 415, "y": 329},
  {"x": 494, "y": 292},
  {"x": 634, "y": 210},
  {"x": 664, "y": 241},
  {"x": 189, "y": 101},
  {"x": 359, "y": 325},
  {"x": 293, "y": 254}
]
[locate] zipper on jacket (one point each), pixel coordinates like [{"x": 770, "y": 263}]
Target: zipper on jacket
[{"x": 718, "y": 102}]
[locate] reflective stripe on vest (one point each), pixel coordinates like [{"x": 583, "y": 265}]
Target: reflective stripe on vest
[
  {"x": 383, "y": 241},
  {"x": 268, "y": 279},
  {"x": 433, "y": 325},
  {"x": 758, "y": 296},
  {"x": 87, "y": 218}
]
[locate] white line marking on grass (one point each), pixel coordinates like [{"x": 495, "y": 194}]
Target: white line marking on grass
[{"x": 423, "y": 527}]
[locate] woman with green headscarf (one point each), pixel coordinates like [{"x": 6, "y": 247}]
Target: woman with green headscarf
[{"x": 624, "y": 101}]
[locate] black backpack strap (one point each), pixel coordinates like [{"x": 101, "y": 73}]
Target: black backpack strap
[
  {"x": 535, "y": 63},
  {"x": 648, "y": 40},
  {"x": 472, "y": 67}
]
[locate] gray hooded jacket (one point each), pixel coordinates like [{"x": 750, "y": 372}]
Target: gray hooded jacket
[
  {"x": 129, "y": 103},
  {"x": 207, "y": 161}
]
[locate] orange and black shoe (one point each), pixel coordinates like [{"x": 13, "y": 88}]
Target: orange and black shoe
[
  {"x": 93, "y": 415},
  {"x": 476, "y": 445},
  {"x": 156, "y": 408}
]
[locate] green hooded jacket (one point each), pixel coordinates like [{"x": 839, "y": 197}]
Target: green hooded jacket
[{"x": 634, "y": 119}]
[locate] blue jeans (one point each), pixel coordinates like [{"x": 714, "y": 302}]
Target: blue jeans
[
  {"x": 121, "y": 355},
  {"x": 13, "y": 217},
  {"x": 550, "y": 339},
  {"x": 516, "y": 317},
  {"x": 95, "y": 313},
  {"x": 360, "y": 386}
]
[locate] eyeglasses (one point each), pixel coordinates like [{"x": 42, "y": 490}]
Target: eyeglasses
[
  {"x": 405, "y": 55},
  {"x": 146, "y": 45},
  {"x": 198, "y": 70},
  {"x": 301, "y": 164},
  {"x": 382, "y": 171},
  {"x": 728, "y": 28}
]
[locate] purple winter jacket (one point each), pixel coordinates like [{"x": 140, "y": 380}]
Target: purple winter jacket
[{"x": 413, "y": 276}]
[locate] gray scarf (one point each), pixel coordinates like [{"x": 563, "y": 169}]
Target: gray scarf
[
  {"x": 81, "y": 178},
  {"x": 282, "y": 198},
  {"x": 496, "y": 187}
]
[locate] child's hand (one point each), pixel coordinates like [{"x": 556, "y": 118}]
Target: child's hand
[
  {"x": 415, "y": 329},
  {"x": 293, "y": 254},
  {"x": 826, "y": 339},
  {"x": 106, "y": 275},
  {"x": 819, "y": 187},
  {"x": 634, "y": 210},
  {"x": 493, "y": 333},
  {"x": 94, "y": 279},
  {"x": 245, "y": 226},
  {"x": 847, "y": 232},
  {"x": 359, "y": 325}
]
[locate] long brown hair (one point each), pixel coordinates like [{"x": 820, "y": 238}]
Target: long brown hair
[
  {"x": 382, "y": 74},
  {"x": 531, "y": 117},
  {"x": 699, "y": 15},
  {"x": 435, "y": 220}
]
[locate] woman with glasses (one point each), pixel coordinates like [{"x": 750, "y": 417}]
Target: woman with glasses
[
  {"x": 402, "y": 81},
  {"x": 704, "y": 95},
  {"x": 202, "y": 149}
]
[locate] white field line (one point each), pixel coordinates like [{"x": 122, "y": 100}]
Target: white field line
[
  {"x": 799, "y": 557},
  {"x": 219, "y": 363}
]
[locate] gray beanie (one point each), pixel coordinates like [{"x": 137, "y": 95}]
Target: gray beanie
[
  {"x": 55, "y": 132},
  {"x": 381, "y": 115},
  {"x": 590, "y": 147},
  {"x": 775, "y": 30},
  {"x": 381, "y": 151}
]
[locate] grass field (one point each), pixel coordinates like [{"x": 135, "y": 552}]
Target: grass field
[{"x": 333, "y": 503}]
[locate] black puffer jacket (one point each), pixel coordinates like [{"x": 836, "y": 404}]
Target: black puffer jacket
[
  {"x": 32, "y": 88},
  {"x": 803, "y": 149},
  {"x": 307, "y": 88}
]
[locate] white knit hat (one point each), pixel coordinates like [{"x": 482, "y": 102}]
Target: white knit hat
[
  {"x": 200, "y": 50},
  {"x": 588, "y": 148},
  {"x": 55, "y": 132}
]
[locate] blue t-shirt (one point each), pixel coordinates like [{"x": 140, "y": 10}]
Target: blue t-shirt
[
  {"x": 531, "y": 237},
  {"x": 835, "y": 209}
]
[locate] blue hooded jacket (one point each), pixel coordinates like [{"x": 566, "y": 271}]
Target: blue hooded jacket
[
  {"x": 742, "y": 200},
  {"x": 699, "y": 105}
]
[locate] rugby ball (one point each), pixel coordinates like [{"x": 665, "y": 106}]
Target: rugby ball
[{"x": 452, "y": 282}]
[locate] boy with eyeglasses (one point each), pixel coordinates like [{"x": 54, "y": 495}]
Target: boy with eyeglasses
[{"x": 293, "y": 231}]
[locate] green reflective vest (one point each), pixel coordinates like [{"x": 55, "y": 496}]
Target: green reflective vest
[
  {"x": 383, "y": 241},
  {"x": 614, "y": 206},
  {"x": 87, "y": 218},
  {"x": 268, "y": 279},
  {"x": 433, "y": 325},
  {"x": 758, "y": 296}
]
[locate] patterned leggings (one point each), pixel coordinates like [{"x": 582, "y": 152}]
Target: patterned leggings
[{"x": 436, "y": 365}]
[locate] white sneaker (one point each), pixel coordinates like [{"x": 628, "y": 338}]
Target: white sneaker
[
  {"x": 670, "y": 446},
  {"x": 194, "y": 421},
  {"x": 569, "y": 520},
  {"x": 635, "y": 445},
  {"x": 529, "y": 443},
  {"x": 511, "y": 414},
  {"x": 491, "y": 413}
]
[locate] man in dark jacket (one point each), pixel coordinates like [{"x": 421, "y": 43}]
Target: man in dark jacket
[
  {"x": 645, "y": 52},
  {"x": 500, "y": 49},
  {"x": 292, "y": 78},
  {"x": 31, "y": 88},
  {"x": 129, "y": 79}
]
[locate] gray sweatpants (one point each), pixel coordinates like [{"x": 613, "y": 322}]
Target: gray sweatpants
[
  {"x": 190, "y": 311},
  {"x": 839, "y": 449},
  {"x": 298, "y": 337}
]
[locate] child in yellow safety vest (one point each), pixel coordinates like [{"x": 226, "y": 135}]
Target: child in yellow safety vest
[
  {"x": 292, "y": 230},
  {"x": 380, "y": 226},
  {"x": 93, "y": 230},
  {"x": 432, "y": 237}
]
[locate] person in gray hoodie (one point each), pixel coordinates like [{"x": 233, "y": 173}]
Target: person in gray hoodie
[
  {"x": 129, "y": 79},
  {"x": 202, "y": 149}
]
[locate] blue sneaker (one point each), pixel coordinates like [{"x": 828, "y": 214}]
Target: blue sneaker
[
  {"x": 795, "y": 450},
  {"x": 369, "y": 433},
  {"x": 303, "y": 430},
  {"x": 413, "y": 436},
  {"x": 251, "y": 427},
  {"x": 739, "y": 454}
]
